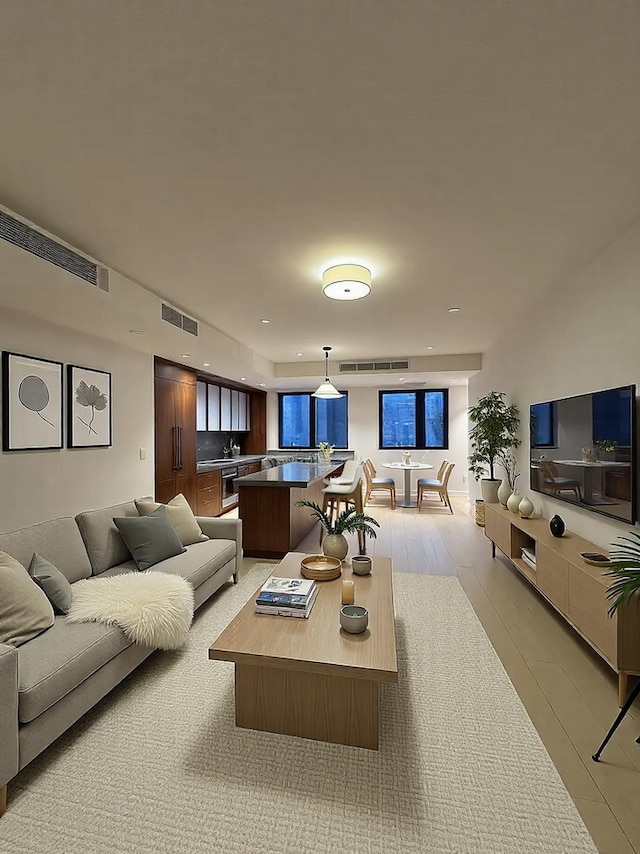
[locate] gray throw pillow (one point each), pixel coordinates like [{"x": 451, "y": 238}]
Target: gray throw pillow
[
  {"x": 150, "y": 539},
  {"x": 52, "y": 582},
  {"x": 24, "y": 609}
]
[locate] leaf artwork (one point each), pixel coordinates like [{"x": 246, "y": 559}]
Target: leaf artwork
[
  {"x": 33, "y": 394},
  {"x": 90, "y": 396}
]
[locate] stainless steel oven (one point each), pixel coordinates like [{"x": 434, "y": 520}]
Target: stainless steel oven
[{"x": 229, "y": 494}]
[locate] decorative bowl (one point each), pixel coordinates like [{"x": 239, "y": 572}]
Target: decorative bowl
[
  {"x": 320, "y": 567},
  {"x": 361, "y": 564},
  {"x": 354, "y": 619}
]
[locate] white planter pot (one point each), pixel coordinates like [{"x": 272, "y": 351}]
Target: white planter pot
[
  {"x": 514, "y": 502},
  {"x": 489, "y": 490},
  {"x": 504, "y": 491}
]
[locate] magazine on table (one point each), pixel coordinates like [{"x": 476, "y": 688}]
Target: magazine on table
[
  {"x": 299, "y": 586},
  {"x": 286, "y": 611}
]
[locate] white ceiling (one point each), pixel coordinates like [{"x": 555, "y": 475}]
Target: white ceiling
[{"x": 223, "y": 153}]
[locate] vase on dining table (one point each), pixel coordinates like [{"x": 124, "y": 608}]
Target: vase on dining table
[{"x": 406, "y": 458}]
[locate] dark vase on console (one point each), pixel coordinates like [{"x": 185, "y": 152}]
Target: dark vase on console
[{"x": 556, "y": 526}]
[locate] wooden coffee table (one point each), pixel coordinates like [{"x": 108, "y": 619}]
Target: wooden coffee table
[{"x": 309, "y": 677}]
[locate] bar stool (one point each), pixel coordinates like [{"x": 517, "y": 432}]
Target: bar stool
[
  {"x": 348, "y": 473},
  {"x": 349, "y": 494}
]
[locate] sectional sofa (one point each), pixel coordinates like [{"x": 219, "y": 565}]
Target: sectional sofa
[{"x": 49, "y": 682}]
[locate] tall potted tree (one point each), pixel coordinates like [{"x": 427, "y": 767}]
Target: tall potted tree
[{"x": 494, "y": 431}]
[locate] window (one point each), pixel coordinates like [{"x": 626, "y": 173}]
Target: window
[
  {"x": 414, "y": 419},
  {"x": 305, "y": 421},
  {"x": 543, "y": 429}
]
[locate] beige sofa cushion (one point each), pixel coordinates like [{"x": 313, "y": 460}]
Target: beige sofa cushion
[
  {"x": 25, "y": 610},
  {"x": 196, "y": 565},
  {"x": 58, "y": 541},
  {"x": 105, "y": 546},
  {"x": 55, "y": 663},
  {"x": 181, "y": 517}
]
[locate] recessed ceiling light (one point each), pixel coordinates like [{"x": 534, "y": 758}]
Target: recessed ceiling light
[
  {"x": 243, "y": 378},
  {"x": 185, "y": 355},
  {"x": 453, "y": 309},
  {"x": 298, "y": 354},
  {"x": 136, "y": 332},
  {"x": 429, "y": 348},
  {"x": 205, "y": 364},
  {"x": 264, "y": 320},
  {"x": 262, "y": 384},
  {"x": 401, "y": 379}
]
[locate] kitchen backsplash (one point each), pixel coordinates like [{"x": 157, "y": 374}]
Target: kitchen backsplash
[{"x": 210, "y": 446}]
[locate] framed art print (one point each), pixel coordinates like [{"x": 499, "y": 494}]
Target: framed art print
[
  {"x": 89, "y": 413},
  {"x": 31, "y": 403}
]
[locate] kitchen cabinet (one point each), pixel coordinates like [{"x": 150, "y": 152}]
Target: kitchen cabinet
[
  {"x": 225, "y": 408},
  {"x": 175, "y": 405},
  {"x": 235, "y": 409},
  {"x": 201, "y": 406},
  {"x": 213, "y": 406},
  {"x": 209, "y": 494}
]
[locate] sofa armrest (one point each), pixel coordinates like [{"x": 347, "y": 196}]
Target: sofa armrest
[
  {"x": 223, "y": 529},
  {"x": 9, "y": 760}
]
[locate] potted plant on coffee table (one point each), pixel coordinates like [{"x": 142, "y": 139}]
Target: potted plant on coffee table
[
  {"x": 494, "y": 431},
  {"x": 349, "y": 521}
]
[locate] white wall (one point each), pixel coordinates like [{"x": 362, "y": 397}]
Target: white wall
[
  {"x": 363, "y": 434},
  {"x": 40, "y": 485},
  {"x": 582, "y": 336}
]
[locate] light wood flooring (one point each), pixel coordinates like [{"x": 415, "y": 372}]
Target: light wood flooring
[{"x": 569, "y": 693}]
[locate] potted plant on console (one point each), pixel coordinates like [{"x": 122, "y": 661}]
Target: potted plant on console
[
  {"x": 493, "y": 434},
  {"x": 349, "y": 521}
]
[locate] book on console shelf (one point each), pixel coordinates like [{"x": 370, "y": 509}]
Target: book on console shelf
[
  {"x": 286, "y": 606},
  {"x": 529, "y": 557}
]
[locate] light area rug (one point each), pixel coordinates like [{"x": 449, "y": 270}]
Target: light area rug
[{"x": 159, "y": 765}]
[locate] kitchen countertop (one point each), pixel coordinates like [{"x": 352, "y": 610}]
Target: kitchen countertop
[
  {"x": 289, "y": 475},
  {"x": 209, "y": 465}
]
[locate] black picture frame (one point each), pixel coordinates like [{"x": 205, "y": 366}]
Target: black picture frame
[
  {"x": 27, "y": 397},
  {"x": 86, "y": 432}
]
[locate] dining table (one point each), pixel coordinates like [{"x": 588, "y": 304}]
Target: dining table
[{"x": 407, "y": 468}]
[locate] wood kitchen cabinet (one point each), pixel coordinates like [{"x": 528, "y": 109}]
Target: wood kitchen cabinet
[
  {"x": 175, "y": 433},
  {"x": 209, "y": 493}
]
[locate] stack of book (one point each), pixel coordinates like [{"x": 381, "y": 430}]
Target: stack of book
[{"x": 287, "y": 597}]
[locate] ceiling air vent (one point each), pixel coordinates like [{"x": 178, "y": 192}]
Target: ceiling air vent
[
  {"x": 179, "y": 320},
  {"x": 32, "y": 241},
  {"x": 359, "y": 367}
]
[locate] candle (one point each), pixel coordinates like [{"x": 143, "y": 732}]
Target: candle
[{"x": 348, "y": 592}]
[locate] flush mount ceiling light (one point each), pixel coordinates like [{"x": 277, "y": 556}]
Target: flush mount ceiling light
[
  {"x": 346, "y": 282},
  {"x": 326, "y": 389}
]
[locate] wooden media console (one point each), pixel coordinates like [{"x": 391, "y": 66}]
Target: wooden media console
[{"x": 576, "y": 589}]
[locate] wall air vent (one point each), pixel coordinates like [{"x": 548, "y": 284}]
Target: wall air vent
[
  {"x": 180, "y": 321},
  {"x": 359, "y": 367},
  {"x": 27, "y": 238}
]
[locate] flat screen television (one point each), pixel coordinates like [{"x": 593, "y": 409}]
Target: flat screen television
[{"x": 583, "y": 451}]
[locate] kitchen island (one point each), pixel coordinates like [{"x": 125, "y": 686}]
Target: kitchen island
[{"x": 272, "y": 525}]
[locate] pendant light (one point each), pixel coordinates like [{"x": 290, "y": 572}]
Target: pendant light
[{"x": 326, "y": 389}]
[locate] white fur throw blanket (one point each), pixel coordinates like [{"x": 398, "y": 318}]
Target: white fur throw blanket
[{"x": 152, "y": 608}]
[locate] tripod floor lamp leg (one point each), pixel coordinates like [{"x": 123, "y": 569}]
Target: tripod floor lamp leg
[{"x": 623, "y": 711}]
